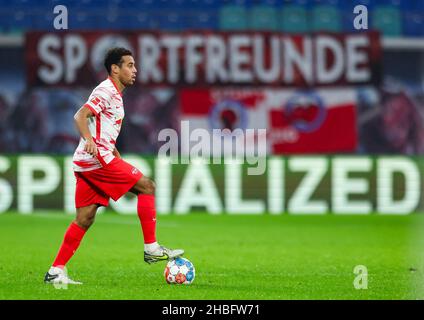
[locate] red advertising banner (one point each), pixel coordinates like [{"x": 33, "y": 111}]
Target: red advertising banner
[
  {"x": 206, "y": 59},
  {"x": 296, "y": 121}
]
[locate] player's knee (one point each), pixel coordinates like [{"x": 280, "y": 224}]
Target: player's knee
[
  {"x": 150, "y": 187},
  {"x": 147, "y": 186},
  {"x": 85, "y": 222}
]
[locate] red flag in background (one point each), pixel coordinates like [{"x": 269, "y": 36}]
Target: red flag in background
[
  {"x": 315, "y": 121},
  {"x": 322, "y": 121}
]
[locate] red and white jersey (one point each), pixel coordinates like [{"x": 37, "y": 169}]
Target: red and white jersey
[{"x": 107, "y": 106}]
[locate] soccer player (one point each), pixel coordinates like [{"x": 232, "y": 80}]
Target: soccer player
[{"x": 101, "y": 173}]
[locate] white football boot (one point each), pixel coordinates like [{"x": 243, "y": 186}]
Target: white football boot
[
  {"x": 58, "y": 276},
  {"x": 162, "y": 253}
]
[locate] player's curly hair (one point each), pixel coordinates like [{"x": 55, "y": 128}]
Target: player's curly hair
[{"x": 114, "y": 56}]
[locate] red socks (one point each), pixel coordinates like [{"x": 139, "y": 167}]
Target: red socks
[
  {"x": 73, "y": 236},
  {"x": 147, "y": 214},
  {"x": 70, "y": 244}
]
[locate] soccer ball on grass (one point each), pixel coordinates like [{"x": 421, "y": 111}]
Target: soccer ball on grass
[{"x": 179, "y": 271}]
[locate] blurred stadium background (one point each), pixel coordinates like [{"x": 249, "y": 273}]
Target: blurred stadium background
[
  {"x": 345, "y": 125},
  {"x": 44, "y": 81}
]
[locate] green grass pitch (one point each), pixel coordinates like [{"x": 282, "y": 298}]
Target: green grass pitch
[{"x": 236, "y": 257}]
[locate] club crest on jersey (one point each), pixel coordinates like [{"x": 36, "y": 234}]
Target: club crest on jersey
[
  {"x": 95, "y": 101},
  {"x": 134, "y": 171}
]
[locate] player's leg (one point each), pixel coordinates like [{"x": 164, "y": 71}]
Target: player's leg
[
  {"x": 145, "y": 191},
  {"x": 71, "y": 241},
  {"x": 153, "y": 252},
  {"x": 74, "y": 234},
  {"x": 120, "y": 177},
  {"x": 86, "y": 215},
  {"x": 87, "y": 200}
]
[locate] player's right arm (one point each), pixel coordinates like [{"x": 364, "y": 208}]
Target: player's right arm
[{"x": 81, "y": 122}]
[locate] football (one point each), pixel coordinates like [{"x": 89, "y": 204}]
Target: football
[{"x": 179, "y": 271}]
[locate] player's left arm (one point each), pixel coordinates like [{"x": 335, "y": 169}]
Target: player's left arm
[{"x": 116, "y": 153}]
